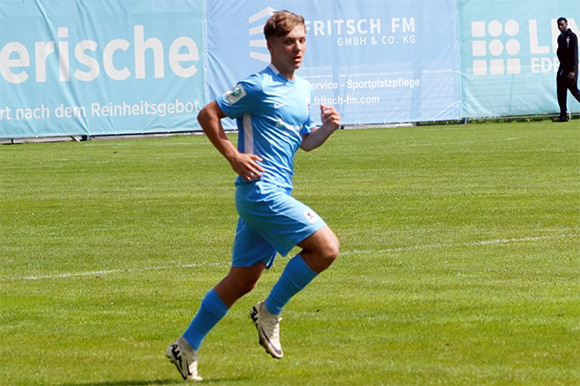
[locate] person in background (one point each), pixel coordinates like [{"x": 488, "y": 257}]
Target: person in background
[{"x": 567, "y": 78}]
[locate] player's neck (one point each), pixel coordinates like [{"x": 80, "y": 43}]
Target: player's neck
[{"x": 288, "y": 74}]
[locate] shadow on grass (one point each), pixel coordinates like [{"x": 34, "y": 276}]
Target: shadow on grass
[
  {"x": 128, "y": 383},
  {"x": 159, "y": 382}
]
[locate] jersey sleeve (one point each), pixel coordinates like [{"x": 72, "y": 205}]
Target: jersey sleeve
[
  {"x": 574, "y": 46},
  {"x": 242, "y": 99},
  {"x": 309, "y": 125}
]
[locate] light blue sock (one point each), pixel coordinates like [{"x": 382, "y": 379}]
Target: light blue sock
[
  {"x": 212, "y": 310},
  {"x": 295, "y": 277}
]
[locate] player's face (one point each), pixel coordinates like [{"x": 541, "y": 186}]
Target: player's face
[
  {"x": 562, "y": 26},
  {"x": 287, "y": 52}
]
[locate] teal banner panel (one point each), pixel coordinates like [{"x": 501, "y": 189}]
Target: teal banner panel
[
  {"x": 376, "y": 61},
  {"x": 80, "y": 67},
  {"x": 508, "y": 56},
  {"x": 73, "y": 67}
]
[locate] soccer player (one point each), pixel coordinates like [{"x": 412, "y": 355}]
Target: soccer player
[
  {"x": 567, "y": 78},
  {"x": 272, "y": 109}
]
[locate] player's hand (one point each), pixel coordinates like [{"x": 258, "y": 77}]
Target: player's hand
[
  {"x": 330, "y": 117},
  {"x": 247, "y": 167},
  {"x": 571, "y": 75}
]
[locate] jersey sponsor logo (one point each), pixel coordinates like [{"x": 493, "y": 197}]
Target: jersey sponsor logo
[
  {"x": 235, "y": 95},
  {"x": 311, "y": 216}
]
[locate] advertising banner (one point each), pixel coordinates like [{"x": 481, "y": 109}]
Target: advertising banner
[
  {"x": 100, "y": 67},
  {"x": 508, "y": 56},
  {"x": 78, "y": 67},
  {"x": 375, "y": 61}
]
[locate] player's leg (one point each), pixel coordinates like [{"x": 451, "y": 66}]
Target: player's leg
[
  {"x": 574, "y": 88},
  {"x": 285, "y": 222},
  {"x": 184, "y": 352},
  {"x": 251, "y": 256},
  {"x": 238, "y": 282},
  {"x": 318, "y": 252},
  {"x": 217, "y": 302},
  {"x": 562, "y": 90}
]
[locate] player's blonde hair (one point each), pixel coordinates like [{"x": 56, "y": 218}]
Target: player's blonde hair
[{"x": 281, "y": 23}]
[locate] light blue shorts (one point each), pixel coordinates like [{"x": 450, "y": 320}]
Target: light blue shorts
[{"x": 271, "y": 221}]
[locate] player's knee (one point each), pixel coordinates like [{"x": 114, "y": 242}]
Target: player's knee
[
  {"x": 321, "y": 249},
  {"x": 330, "y": 250},
  {"x": 240, "y": 284},
  {"x": 245, "y": 285}
]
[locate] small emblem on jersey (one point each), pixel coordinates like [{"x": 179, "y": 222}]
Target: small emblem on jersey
[
  {"x": 235, "y": 95},
  {"x": 311, "y": 216}
]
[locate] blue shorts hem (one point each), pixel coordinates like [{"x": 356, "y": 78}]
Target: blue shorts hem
[{"x": 271, "y": 221}]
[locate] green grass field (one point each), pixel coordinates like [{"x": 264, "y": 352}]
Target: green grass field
[{"x": 460, "y": 261}]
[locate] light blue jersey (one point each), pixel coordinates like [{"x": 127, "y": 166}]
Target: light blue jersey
[{"x": 272, "y": 114}]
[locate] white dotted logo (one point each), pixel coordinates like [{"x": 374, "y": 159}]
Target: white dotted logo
[{"x": 494, "y": 47}]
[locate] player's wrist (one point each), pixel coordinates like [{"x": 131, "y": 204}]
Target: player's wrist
[{"x": 335, "y": 127}]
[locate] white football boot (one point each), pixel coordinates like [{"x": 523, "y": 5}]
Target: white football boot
[
  {"x": 184, "y": 357},
  {"x": 268, "y": 326}
]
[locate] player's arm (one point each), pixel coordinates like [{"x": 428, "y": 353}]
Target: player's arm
[
  {"x": 574, "y": 45},
  {"x": 330, "y": 123},
  {"x": 244, "y": 164}
]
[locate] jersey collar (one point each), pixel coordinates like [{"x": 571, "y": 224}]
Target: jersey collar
[{"x": 277, "y": 73}]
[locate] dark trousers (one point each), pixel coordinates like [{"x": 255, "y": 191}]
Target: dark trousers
[{"x": 564, "y": 84}]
